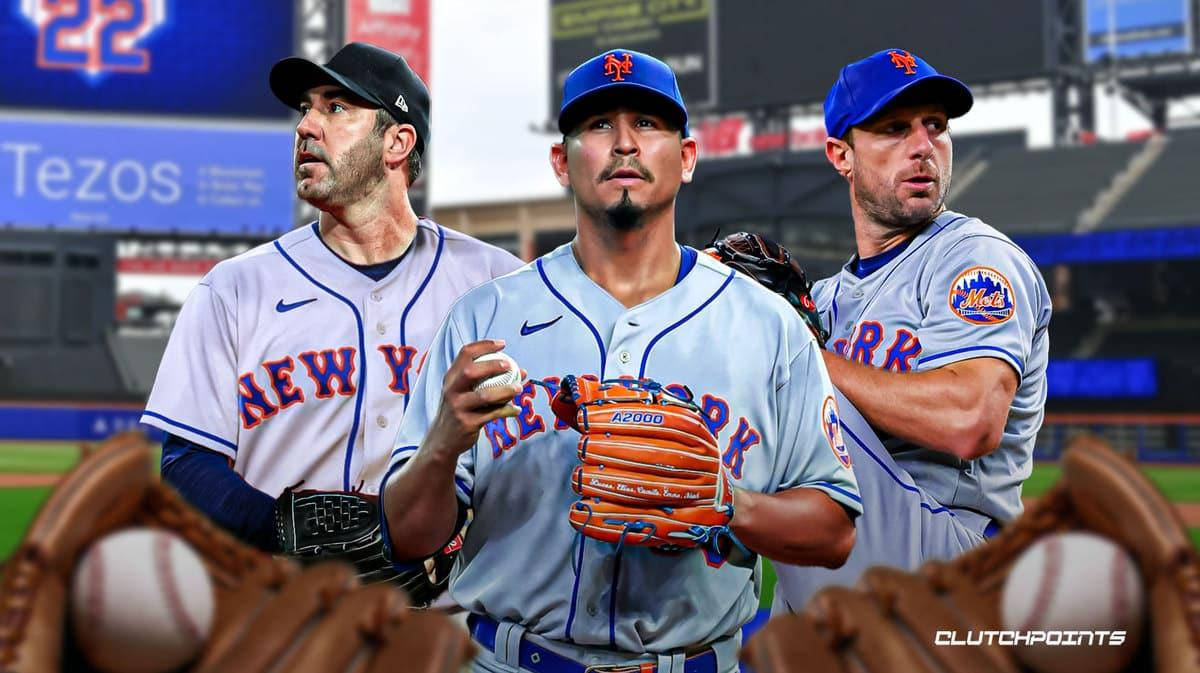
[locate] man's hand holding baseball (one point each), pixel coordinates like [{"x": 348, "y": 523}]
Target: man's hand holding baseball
[
  {"x": 466, "y": 406},
  {"x": 419, "y": 501}
]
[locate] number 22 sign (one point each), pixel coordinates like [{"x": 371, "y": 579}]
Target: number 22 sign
[{"x": 94, "y": 35}]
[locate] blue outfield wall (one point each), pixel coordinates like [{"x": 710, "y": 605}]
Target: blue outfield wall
[
  {"x": 1113, "y": 246},
  {"x": 54, "y": 422},
  {"x": 1103, "y": 378}
]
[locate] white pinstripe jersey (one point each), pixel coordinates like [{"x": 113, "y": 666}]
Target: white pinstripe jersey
[{"x": 297, "y": 366}]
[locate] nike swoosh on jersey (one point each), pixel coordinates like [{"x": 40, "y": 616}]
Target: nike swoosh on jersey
[
  {"x": 527, "y": 329},
  {"x": 284, "y": 308}
]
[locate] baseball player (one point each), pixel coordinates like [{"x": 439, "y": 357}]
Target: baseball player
[
  {"x": 291, "y": 365},
  {"x": 623, "y": 302},
  {"x": 938, "y": 332}
]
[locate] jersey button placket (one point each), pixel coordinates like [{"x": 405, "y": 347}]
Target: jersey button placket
[{"x": 624, "y": 335}]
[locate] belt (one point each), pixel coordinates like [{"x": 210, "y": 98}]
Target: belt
[
  {"x": 541, "y": 660},
  {"x": 991, "y": 526},
  {"x": 991, "y": 529}
]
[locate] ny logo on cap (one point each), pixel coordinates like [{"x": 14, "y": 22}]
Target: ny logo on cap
[
  {"x": 617, "y": 68},
  {"x": 903, "y": 59},
  {"x": 400, "y": 103}
]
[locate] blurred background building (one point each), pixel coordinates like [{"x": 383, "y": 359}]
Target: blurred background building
[{"x": 140, "y": 145}]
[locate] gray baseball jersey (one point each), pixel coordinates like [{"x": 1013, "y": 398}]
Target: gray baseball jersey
[
  {"x": 755, "y": 371},
  {"x": 901, "y": 525},
  {"x": 959, "y": 290},
  {"x": 298, "y": 367}
]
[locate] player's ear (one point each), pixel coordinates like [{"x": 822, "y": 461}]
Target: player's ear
[
  {"x": 558, "y": 162},
  {"x": 399, "y": 140},
  {"x": 840, "y": 154},
  {"x": 689, "y": 150}
]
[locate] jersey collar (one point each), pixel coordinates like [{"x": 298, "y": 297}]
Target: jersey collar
[{"x": 851, "y": 270}]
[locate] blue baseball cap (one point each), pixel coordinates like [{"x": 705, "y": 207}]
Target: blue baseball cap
[
  {"x": 621, "y": 77},
  {"x": 864, "y": 88}
]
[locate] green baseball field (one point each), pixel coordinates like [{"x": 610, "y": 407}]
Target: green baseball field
[{"x": 28, "y": 471}]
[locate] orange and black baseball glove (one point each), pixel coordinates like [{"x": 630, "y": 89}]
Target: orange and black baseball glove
[{"x": 650, "y": 473}]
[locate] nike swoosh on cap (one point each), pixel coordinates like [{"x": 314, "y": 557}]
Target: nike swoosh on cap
[
  {"x": 527, "y": 329},
  {"x": 284, "y": 308}
]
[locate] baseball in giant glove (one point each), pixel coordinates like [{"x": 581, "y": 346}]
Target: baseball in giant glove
[
  {"x": 774, "y": 268},
  {"x": 269, "y": 614},
  {"x": 890, "y": 622},
  {"x": 650, "y": 473},
  {"x": 316, "y": 526}
]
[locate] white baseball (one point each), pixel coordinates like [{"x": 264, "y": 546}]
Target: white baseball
[
  {"x": 508, "y": 378},
  {"x": 1074, "y": 581},
  {"x": 141, "y": 602}
]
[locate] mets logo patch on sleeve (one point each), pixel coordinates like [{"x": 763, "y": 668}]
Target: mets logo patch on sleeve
[
  {"x": 832, "y": 426},
  {"x": 982, "y": 296}
]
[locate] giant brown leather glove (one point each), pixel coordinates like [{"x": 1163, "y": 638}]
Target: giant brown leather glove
[
  {"x": 269, "y": 615},
  {"x": 889, "y": 623}
]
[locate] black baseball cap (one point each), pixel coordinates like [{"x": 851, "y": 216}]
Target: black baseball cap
[{"x": 371, "y": 73}]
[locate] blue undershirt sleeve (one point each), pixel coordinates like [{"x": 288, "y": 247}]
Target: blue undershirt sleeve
[{"x": 207, "y": 481}]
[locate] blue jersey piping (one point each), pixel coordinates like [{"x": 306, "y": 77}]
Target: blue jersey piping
[
  {"x": 838, "y": 489},
  {"x": 941, "y": 228},
  {"x": 197, "y": 431},
  {"x": 437, "y": 256},
  {"x": 590, "y": 326},
  {"x": 901, "y": 484},
  {"x": 612, "y": 602},
  {"x": 646, "y": 355},
  {"x": 575, "y": 590},
  {"x": 362, "y": 361},
  {"x": 967, "y": 349}
]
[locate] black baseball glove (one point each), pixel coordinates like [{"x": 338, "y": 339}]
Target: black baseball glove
[
  {"x": 315, "y": 526},
  {"x": 774, "y": 268}
]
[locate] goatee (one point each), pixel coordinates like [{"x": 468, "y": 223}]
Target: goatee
[{"x": 624, "y": 215}]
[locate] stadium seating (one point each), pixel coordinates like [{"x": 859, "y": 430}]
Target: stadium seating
[
  {"x": 138, "y": 356},
  {"x": 1023, "y": 192},
  {"x": 52, "y": 373},
  {"x": 1041, "y": 191},
  {"x": 1166, "y": 194}
]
